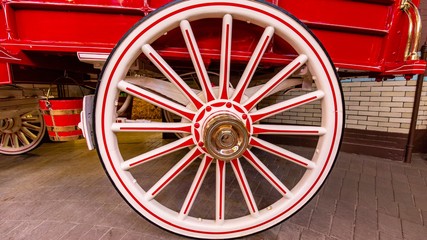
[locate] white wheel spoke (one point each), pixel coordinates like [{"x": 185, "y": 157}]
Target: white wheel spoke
[
  {"x": 220, "y": 191},
  {"x": 173, "y": 173},
  {"x": 275, "y": 81},
  {"x": 224, "y": 76},
  {"x": 163, "y": 87},
  {"x": 23, "y": 138},
  {"x": 267, "y": 174},
  {"x": 195, "y": 186},
  {"x": 156, "y": 100},
  {"x": 253, "y": 64},
  {"x": 152, "y": 127},
  {"x": 278, "y": 151},
  {"x": 244, "y": 186},
  {"x": 288, "y": 130},
  {"x": 28, "y": 133},
  {"x": 31, "y": 126},
  {"x": 196, "y": 57},
  {"x": 286, "y": 105},
  {"x": 161, "y": 64},
  {"x": 158, "y": 152}
]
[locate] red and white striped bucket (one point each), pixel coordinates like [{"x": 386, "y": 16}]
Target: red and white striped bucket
[{"x": 62, "y": 117}]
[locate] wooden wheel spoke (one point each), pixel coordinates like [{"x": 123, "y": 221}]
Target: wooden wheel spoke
[
  {"x": 288, "y": 130},
  {"x": 196, "y": 57},
  {"x": 224, "y": 76},
  {"x": 30, "y": 120},
  {"x": 161, "y": 64},
  {"x": 28, "y": 133},
  {"x": 278, "y": 151},
  {"x": 152, "y": 127},
  {"x": 244, "y": 186},
  {"x": 195, "y": 186},
  {"x": 253, "y": 64},
  {"x": 267, "y": 174},
  {"x": 173, "y": 173},
  {"x": 156, "y": 100},
  {"x": 5, "y": 140},
  {"x": 220, "y": 191},
  {"x": 158, "y": 152},
  {"x": 275, "y": 81},
  {"x": 14, "y": 140},
  {"x": 23, "y": 138},
  {"x": 286, "y": 105},
  {"x": 31, "y": 126}
]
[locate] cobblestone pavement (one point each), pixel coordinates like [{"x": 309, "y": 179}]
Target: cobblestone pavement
[{"x": 59, "y": 191}]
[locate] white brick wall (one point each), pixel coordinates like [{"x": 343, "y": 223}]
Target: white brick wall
[{"x": 377, "y": 106}]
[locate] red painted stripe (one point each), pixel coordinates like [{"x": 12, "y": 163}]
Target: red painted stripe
[
  {"x": 236, "y": 165},
  {"x": 186, "y": 114},
  {"x": 239, "y": 95},
  {"x": 189, "y": 142},
  {"x": 202, "y": 175},
  {"x": 195, "y": 101},
  {"x": 256, "y": 143},
  {"x": 251, "y": 104},
  {"x": 221, "y": 165},
  {"x": 209, "y": 95},
  {"x": 224, "y": 93},
  {"x": 257, "y": 117},
  {"x": 260, "y": 130},
  {"x": 201, "y": 115},
  {"x": 181, "y": 129},
  {"x": 189, "y": 160}
]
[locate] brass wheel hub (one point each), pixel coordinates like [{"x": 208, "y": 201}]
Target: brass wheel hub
[{"x": 225, "y": 137}]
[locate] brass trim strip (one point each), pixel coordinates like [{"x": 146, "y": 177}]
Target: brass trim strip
[
  {"x": 61, "y": 112},
  {"x": 65, "y": 139},
  {"x": 63, "y": 129}
]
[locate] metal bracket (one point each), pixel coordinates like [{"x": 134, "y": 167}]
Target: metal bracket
[
  {"x": 414, "y": 31},
  {"x": 86, "y": 121}
]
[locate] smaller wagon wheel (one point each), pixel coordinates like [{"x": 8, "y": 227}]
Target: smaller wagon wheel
[
  {"x": 222, "y": 179},
  {"x": 21, "y": 133}
]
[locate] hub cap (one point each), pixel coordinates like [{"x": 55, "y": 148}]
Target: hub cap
[{"x": 226, "y": 137}]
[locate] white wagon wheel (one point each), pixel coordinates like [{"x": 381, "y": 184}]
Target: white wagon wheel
[
  {"x": 223, "y": 128},
  {"x": 21, "y": 133}
]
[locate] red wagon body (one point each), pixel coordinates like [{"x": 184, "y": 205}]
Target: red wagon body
[{"x": 364, "y": 36}]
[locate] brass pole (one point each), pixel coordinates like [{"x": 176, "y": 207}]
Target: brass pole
[{"x": 417, "y": 99}]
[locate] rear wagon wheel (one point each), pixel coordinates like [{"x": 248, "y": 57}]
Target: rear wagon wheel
[
  {"x": 21, "y": 133},
  {"x": 208, "y": 189}
]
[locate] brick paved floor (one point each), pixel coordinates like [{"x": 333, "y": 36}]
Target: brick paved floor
[{"x": 59, "y": 191}]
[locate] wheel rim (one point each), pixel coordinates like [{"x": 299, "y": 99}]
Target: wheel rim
[
  {"x": 206, "y": 115},
  {"x": 21, "y": 133}
]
